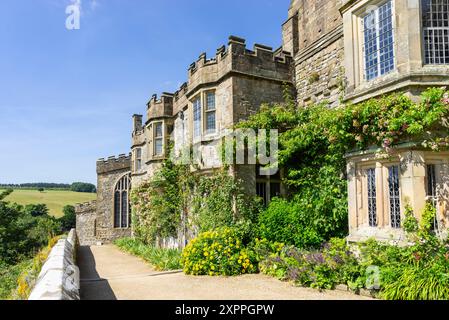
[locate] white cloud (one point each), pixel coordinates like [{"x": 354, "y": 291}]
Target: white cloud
[
  {"x": 85, "y": 6},
  {"x": 94, "y": 4}
]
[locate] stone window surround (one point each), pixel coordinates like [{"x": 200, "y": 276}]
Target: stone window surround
[
  {"x": 356, "y": 42},
  {"x": 155, "y": 137},
  {"x": 411, "y": 70},
  {"x": 413, "y": 190},
  {"x": 151, "y": 156},
  {"x": 267, "y": 181},
  {"x": 438, "y": 25},
  {"x": 137, "y": 159},
  {"x": 382, "y": 201},
  {"x": 204, "y": 136},
  {"x": 113, "y": 201}
]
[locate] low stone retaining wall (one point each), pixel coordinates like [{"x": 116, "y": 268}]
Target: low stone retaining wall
[{"x": 59, "y": 278}]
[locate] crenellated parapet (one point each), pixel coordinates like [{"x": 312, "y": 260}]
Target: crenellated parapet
[
  {"x": 86, "y": 207},
  {"x": 235, "y": 59},
  {"x": 113, "y": 163},
  {"x": 160, "y": 107}
]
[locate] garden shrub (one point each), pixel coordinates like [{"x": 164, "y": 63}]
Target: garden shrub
[
  {"x": 300, "y": 222},
  {"x": 220, "y": 252},
  {"x": 202, "y": 203},
  {"x": 323, "y": 269},
  {"x": 313, "y": 142},
  {"x": 419, "y": 271}
]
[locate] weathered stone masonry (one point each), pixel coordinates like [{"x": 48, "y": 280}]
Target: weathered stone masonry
[
  {"x": 323, "y": 57},
  {"x": 95, "y": 220}
]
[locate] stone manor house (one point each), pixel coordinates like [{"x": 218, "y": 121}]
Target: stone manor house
[{"x": 333, "y": 50}]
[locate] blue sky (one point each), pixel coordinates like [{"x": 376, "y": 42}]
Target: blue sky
[{"x": 67, "y": 97}]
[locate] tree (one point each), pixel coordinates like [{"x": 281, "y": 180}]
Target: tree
[
  {"x": 5, "y": 193},
  {"x": 68, "y": 220},
  {"x": 83, "y": 187},
  {"x": 36, "y": 210}
]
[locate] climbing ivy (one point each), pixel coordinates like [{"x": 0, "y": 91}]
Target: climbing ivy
[
  {"x": 158, "y": 204},
  {"x": 313, "y": 142},
  {"x": 178, "y": 197}
]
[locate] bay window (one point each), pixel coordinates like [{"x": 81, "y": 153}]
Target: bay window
[
  {"x": 378, "y": 44},
  {"x": 138, "y": 159},
  {"x": 197, "y": 118},
  {"x": 435, "y": 31},
  {"x": 372, "y": 197},
  {"x": 395, "y": 199},
  {"x": 158, "y": 139},
  {"x": 210, "y": 113}
]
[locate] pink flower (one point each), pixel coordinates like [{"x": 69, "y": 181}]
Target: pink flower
[
  {"x": 387, "y": 143},
  {"x": 446, "y": 98}
]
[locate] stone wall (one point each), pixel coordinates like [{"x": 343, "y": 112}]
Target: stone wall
[
  {"x": 314, "y": 31},
  {"x": 250, "y": 93},
  {"x": 59, "y": 278},
  {"x": 109, "y": 172},
  {"x": 95, "y": 220},
  {"x": 320, "y": 72},
  {"x": 86, "y": 218}
]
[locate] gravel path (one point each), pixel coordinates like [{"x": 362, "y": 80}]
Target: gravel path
[{"x": 109, "y": 274}]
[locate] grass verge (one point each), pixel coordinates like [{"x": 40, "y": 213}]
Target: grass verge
[{"x": 161, "y": 259}]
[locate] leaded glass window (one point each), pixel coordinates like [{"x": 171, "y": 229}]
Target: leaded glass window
[
  {"x": 395, "y": 201},
  {"x": 268, "y": 187},
  {"x": 436, "y": 31},
  {"x": 275, "y": 190},
  {"x": 197, "y": 118},
  {"x": 122, "y": 210},
  {"x": 378, "y": 34},
  {"x": 261, "y": 191},
  {"x": 431, "y": 184},
  {"x": 372, "y": 197},
  {"x": 210, "y": 113},
  {"x": 138, "y": 162},
  {"x": 158, "y": 139}
]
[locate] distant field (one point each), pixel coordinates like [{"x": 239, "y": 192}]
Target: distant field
[{"x": 55, "y": 200}]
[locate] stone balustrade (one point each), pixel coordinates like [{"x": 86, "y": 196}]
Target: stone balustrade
[{"x": 59, "y": 278}]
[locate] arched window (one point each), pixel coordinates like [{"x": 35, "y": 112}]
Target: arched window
[{"x": 122, "y": 210}]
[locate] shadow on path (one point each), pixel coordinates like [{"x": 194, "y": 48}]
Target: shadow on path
[{"x": 92, "y": 286}]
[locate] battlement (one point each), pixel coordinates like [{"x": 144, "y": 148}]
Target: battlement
[
  {"x": 238, "y": 51},
  {"x": 261, "y": 61},
  {"x": 160, "y": 107},
  {"x": 86, "y": 207},
  {"x": 113, "y": 163}
]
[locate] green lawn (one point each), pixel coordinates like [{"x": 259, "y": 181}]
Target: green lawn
[{"x": 55, "y": 200}]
